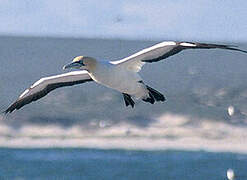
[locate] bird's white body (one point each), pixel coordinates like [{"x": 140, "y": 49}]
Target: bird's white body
[{"x": 119, "y": 78}]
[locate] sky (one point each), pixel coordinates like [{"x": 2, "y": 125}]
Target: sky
[{"x": 215, "y": 20}]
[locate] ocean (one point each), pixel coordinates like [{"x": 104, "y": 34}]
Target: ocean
[
  {"x": 86, "y": 132},
  {"x": 89, "y": 164}
]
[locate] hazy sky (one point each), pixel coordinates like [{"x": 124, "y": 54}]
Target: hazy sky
[{"x": 216, "y": 20}]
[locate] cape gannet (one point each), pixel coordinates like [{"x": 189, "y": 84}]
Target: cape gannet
[{"x": 121, "y": 75}]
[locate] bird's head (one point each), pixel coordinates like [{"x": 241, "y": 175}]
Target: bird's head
[{"x": 81, "y": 62}]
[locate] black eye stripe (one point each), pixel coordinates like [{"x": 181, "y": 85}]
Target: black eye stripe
[{"x": 81, "y": 62}]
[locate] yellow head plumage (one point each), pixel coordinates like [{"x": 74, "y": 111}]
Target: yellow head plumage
[{"x": 78, "y": 58}]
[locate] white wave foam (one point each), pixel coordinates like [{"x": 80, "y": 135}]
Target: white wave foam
[{"x": 169, "y": 131}]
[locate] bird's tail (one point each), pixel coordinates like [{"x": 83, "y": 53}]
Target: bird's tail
[
  {"x": 128, "y": 100},
  {"x": 154, "y": 95}
]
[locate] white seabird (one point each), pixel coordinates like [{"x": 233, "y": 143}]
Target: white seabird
[{"x": 121, "y": 75}]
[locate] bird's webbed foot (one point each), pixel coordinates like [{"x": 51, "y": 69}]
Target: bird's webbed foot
[{"x": 128, "y": 100}]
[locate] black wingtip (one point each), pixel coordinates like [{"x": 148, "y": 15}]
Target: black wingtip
[
  {"x": 11, "y": 108},
  {"x": 220, "y": 46},
  {"x": 3, "y": 115},
  {"x": 236, "y": 49},
  {"x": 231, "y": 47},
  {"x": 7, "y": 111}
]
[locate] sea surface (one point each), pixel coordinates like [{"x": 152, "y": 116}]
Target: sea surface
[
  {"x": 86, "y": 132},
  {"x": 90, "y": 164}
]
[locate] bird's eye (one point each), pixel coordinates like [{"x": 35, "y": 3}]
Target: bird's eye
[{"x": 81, "y": 62}]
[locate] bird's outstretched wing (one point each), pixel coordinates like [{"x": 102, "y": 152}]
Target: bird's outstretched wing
[
  {"x": 45, "y": 85},
  {"x": 164, "y": 50}
]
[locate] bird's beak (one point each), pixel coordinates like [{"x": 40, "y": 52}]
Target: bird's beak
[{"x": 75, "y": 65}]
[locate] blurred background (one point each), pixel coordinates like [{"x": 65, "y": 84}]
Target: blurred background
[{"x": 85, "y": 131}]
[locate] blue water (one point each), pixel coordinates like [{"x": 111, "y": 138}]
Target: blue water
[{"x": 89, "y": 164}]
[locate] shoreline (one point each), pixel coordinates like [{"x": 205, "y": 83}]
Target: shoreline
[
  {"x": 145, "y": 144},
  {"x": 169, "y": 131}
]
